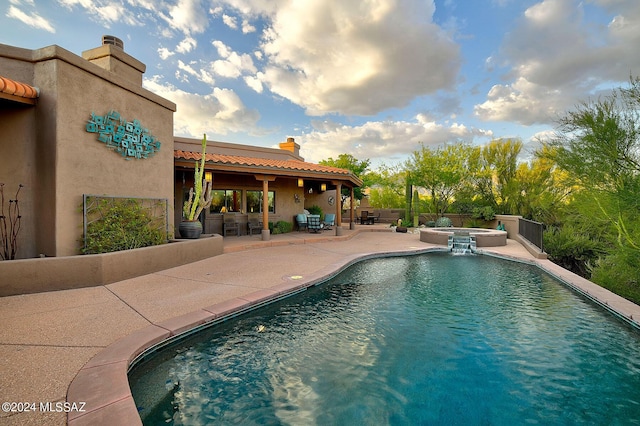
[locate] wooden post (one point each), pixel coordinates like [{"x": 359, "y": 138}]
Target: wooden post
[
  {"x": 266, "y": 235},
  {"x": 338, "y": 208},
  {"x": 352, "y": 212}
]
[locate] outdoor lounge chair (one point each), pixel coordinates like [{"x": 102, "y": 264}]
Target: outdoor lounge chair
[
  {"x": 329, "y": 220},
  {"x": 301, "y": 220},
  {"x": 313, "y": 223},
  {"x": 254, "y": 224},
  {"x": 230, "y": 224}
]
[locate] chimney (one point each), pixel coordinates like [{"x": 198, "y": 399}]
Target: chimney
[
  {"x": 291, "y": 145},
  {"x": 112, "y": 58},
  {"x": 113, "y": 40}
]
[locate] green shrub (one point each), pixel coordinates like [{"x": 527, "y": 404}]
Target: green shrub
[
  {"x": 619, "y": 273},
  {"x": 572, "y": 249},
  {"x": 485, "y": 213},
  {"x": 121, "y": 224},
  {"x": 443, "y": 222},
  {"x": 283, "y": 227},
  {"x": 280, "y": 227},
  {"x": 316, "y": 210}
]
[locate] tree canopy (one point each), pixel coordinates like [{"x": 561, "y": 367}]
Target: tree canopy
[
  {"x": 358, "y": 167},
  {"x": 598, "y": 146}
]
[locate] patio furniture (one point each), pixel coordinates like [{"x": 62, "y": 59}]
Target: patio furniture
[
  {"x": 329, "y": 220},
  {"x": 254, "y": 224},
  {"x": 313, "y": 223},
  {"x": 230, "y": 224},
  {"x": 365, "y": 218},
  {"x": 301, "y": 221}
]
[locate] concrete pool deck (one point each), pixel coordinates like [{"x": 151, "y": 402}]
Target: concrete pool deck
[{"x": 72, "y": 345}]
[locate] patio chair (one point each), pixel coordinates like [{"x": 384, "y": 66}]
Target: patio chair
[
  {"x": 313, "y": 223},
  {"x": 329, "y": 220},
  {"x": 254, "y": 224},
  {"x": 230, "y": 224},
  {"x": 301, "y": 220},
  {"x": 365, "y": 218}
]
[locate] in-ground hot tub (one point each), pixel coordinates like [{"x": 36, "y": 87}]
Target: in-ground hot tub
[{"x": 484, "y": 237}]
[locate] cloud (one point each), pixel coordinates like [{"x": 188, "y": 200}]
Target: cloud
[
  {"x": 557, "y": 57},
  {"x": 186, "y": 45},
  {"x": 232, "y": 64},
  {"x": 201, "y": 74},
  {"x": 188, "y": 17},
  {"x": 247, "y": 27},
  {"x": 165, "y": 53},
  {"x": 219, "y": 112},
  {"x": 381, "y": 140},
  {"x": 254, "y": 83},
  {"x": 255, "y": 8},
  {"x": 524, "y": 102},
  {"x": 230, "y": 21},
  {"x": 357, "y": 58},
  {"x": 33, "y": 20},
  {"x": 106, "y": 12}
]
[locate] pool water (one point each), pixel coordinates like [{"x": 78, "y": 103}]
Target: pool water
[{"x": 424, "y": 339}]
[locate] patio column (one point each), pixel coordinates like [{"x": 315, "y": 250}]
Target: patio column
[
  {"x": 266, "y": 235},
  {"x": 338, "y": 209},
  {"x": 352, "y": 219}
]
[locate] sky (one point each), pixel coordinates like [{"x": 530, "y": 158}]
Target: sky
[{"x": 372, "y": 78}]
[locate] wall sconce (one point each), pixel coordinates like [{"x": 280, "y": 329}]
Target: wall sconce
[
  {"x": 323, "y": 187},
  {"x": 300, "y": 183},
  {"x": 296, "y": 198},
  {"x": 208, "y": 176}
]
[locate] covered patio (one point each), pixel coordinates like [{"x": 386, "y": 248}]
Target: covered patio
[{"x": 242, "y": 174}]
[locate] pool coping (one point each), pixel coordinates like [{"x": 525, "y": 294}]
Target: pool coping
[{"x": 103, "y": 381}]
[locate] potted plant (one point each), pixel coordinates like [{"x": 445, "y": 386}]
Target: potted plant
[{"x": 199, "y": 199}]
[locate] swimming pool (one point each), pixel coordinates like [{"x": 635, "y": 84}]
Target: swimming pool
[{"x": 423, "y": 339}]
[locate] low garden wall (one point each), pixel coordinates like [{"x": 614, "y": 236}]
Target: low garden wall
[{"x": 66, "y": 272}]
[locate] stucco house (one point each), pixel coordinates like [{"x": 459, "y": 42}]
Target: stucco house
[{"x": 77, "y": 125}]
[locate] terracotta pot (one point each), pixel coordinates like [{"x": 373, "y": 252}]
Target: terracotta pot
[{"x": 191, "y": 229}]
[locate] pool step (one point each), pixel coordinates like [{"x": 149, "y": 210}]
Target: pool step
[{"x": 461, "y": 244}]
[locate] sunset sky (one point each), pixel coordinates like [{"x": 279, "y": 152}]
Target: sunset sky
[{"x": 373, "y": 78}]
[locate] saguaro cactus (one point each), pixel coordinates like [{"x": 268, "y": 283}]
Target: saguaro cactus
[
  {"x": 407, "y": 198},
  {"x": 199, "y": 197},
  {"x": 416, "y": 208}
]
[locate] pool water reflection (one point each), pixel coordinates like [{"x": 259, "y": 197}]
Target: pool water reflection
[{"x": 423, "y": 339}]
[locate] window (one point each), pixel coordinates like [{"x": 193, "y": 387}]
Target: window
[
  {"x": 254, "y": 201},
  {"x": 226, "y": 200}
]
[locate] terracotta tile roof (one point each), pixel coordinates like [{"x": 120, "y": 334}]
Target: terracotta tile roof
[
  {"x": 15, "y": 88},
  {"x": 262, "y": 162}
]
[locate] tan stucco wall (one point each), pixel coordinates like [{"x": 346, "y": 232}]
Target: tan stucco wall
[
  {"x": 17, "y": 166},
  {"x": 63, "y": 160},
  {"x": 86, "y": 166},
  {"x": 227, "y": 148},
  {"x": 18, "y": 151},
  {"x": 67, "y": 272}
]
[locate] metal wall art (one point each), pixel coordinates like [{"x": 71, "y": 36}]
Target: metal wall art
[{"x": 128, "y": 138}]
